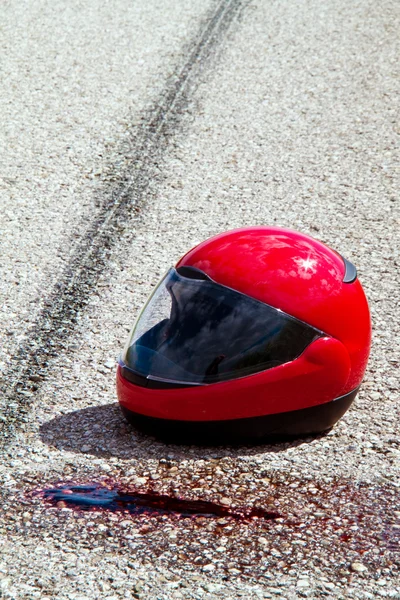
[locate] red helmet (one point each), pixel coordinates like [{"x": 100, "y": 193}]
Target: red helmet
[{"x": 256, "y": 334}]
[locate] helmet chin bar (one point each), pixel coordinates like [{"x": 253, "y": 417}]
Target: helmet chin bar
[
  {"x": 266, "y": 428},
  {"x": 317, "y": 376}
]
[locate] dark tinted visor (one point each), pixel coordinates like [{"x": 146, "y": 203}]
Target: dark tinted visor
[{"x": 194, "y": 331}]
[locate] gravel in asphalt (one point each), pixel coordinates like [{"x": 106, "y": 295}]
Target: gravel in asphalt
[
  {"x": 293, "y": 124},
  {"x": 77, "y": 77}
]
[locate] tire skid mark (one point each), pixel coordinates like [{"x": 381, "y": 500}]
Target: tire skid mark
[{"x": 48, "y": 335}]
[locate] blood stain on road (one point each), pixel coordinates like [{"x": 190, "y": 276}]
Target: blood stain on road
[
  {"x": 97, "y": 496},
  {"x": 279, "y": 523}
]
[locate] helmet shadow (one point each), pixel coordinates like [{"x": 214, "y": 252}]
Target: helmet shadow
[{"x": 101, "y": 431}]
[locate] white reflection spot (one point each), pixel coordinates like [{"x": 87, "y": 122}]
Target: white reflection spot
[{"x": 308, "y": 264}]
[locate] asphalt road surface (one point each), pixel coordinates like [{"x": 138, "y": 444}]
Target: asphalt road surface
[{"x": 130, "y": 132}]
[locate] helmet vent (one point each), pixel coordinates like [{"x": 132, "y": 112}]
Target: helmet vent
[{"x": 350, "y": 273}]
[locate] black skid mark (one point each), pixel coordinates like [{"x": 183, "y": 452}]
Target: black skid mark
[{"x": 49, "y": 335}]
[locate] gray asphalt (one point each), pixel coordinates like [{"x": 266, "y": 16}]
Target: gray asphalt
[
  {"x": 285, "y": 114},
  {"x": 76, "y": 79}
]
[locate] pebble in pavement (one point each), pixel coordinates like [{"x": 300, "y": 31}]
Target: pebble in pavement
[{"x": 82, "y": 435}]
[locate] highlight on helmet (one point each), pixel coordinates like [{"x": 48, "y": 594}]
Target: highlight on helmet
[{"x": 256, "y": 334}]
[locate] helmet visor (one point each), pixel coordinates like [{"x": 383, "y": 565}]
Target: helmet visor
[{"x": 193, "y": 331}]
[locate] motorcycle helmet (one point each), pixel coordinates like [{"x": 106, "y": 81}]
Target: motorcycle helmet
[{"x": 256, "y": 334}]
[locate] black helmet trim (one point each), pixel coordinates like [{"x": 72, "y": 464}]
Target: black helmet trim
[{"x": 194, "y": 331}]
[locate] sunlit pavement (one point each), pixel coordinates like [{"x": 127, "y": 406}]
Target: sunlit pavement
[{"x": 132, "y": 131}]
